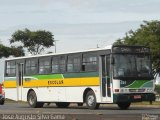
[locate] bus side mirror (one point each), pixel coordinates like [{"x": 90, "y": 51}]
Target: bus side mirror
[{"x": 112, "y": 60}]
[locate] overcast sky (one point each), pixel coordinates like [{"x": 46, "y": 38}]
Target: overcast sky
[{"x": 77, "y": 24}]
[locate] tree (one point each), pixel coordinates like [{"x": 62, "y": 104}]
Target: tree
[
  {"x": 17, "y": 51},
  {"x": 34, "y": 41},
  {"x": 148, "y": 35},
  {"x": 8, "y": 51}
]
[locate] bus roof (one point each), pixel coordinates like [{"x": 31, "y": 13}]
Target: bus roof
[{"x": 52, "y": 54}]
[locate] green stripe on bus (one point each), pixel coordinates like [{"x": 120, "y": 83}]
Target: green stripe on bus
[
  {"x": 10, "y": 78},
  {"x": 147, "y": 84},
  {"x": 80, "y": 75},
  {"x": 51, "y": 76},
  {"x": 137, "y": 84}
]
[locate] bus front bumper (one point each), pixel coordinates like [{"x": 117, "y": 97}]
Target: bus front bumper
[{"x": 139, "y": 97}]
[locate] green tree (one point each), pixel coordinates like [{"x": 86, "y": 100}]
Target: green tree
[
  {"x": 17, "y": 51},
  {"x": 8, "y": 51},
  {"x": 148, "y": 35},
  {"x": 34, "y": 41}
]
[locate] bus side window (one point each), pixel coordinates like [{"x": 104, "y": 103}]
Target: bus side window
[
  {"x": 31, "y": 66},
  {"x": 89, "y": 62},
  {"x": 74, "y": 63},
  {"x": 44, "y": 65},
  {"x": 62, "y": 64},
  {"x": 58, "y": 64},
  {"x": 55, "y": 65},
  {"x": 83, "y": 67},
  {"x": 10, "y": 68},
  {"x": 69, "y": 65}
]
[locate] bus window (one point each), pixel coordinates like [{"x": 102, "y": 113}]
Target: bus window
[
  {"x": 11, "y": 68},
  {"x": 89, "y": 63},
  {"x": 44, "y": 65},
  {"x": 73, "y": 64},
  {"x": 62, "y": 65},
  {"x": 31, "y": 66},
  {"x": 55, "y": 65}
]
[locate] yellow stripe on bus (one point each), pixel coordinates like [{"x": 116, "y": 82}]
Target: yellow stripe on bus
[
  {"x": 88, "y": 81},
  {"x": 10, "y": 84}
]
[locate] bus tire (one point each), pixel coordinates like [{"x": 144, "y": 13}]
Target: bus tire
[
  {"x": 91, "y": 101},
  {"x": 62, "y": 104},
  {"x": 32, "y": 100},
  {"x": 124, "y": 105}
]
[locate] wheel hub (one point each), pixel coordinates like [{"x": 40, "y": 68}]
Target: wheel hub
[
  {"x": 31, "y": 100},
  {"x": 90, "y": 100}
]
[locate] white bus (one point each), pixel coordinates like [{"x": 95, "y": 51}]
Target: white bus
[{"x": 119, "y": 74}]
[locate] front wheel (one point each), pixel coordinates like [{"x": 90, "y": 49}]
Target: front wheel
[
  {"x": 91, "y": 100},
  {"x": 124, "y": 105},
  {"x": 32, "y": 100}
]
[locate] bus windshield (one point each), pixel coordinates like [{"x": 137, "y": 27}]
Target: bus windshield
[{"x": 136, "y": 66}]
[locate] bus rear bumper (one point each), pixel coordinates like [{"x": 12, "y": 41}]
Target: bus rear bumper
[{"x": 139, "y": 97}]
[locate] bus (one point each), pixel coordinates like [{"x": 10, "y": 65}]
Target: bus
[{"x": 118, "y": 74}]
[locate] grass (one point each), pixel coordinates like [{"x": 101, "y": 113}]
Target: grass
[{"x": 147, "y": 103}]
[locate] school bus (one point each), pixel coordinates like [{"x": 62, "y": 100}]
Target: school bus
[{"x": 117, "y": 74}]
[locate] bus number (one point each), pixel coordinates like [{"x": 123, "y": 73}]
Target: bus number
[{"x": 122, "y": 82}]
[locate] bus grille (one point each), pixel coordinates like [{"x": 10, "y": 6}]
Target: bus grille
[{"x": 136, "y": 90}]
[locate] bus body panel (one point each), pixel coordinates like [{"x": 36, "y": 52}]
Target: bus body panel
[{"x": 53, "y": 94}]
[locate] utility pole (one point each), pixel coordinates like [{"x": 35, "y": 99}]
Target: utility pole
[
  {"x": 55, "y": 45},
  {"x": 97, "y": 46}
]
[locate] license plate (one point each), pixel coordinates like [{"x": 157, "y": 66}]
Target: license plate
[{"x": 137, "y": 96}]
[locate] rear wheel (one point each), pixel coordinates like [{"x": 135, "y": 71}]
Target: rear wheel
[
  {"x": 62, "y": 104},
  {"x": 124, "y": 105},
  {"x": 91, "y": 100},
  {"x": 32, "y": 100}
]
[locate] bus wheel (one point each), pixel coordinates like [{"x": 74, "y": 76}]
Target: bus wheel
[
  {"x": 91, "y": 100},
  {"x": 32, "y": 100},
  {"x": 124, "y": 105},
  {"x": 62, "y": 104}
]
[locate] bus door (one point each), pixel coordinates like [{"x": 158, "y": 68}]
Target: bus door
[
  {"x": 105, "y": 78},
  {"x": 19, "y": 76}
]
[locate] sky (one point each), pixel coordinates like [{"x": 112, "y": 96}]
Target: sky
[{"x": 76, "y": 24}]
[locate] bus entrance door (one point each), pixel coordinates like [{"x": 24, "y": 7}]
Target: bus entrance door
[
  {"x": 105, "y": 78},
  {"x": 19, "y": 76}
]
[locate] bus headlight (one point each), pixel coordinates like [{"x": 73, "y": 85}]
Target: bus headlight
[
  {"x": 124, "y": 90},
  {"x": 149, "y": 90}
]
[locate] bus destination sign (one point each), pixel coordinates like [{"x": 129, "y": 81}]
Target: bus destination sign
[{"x": 126, "y": 49}]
